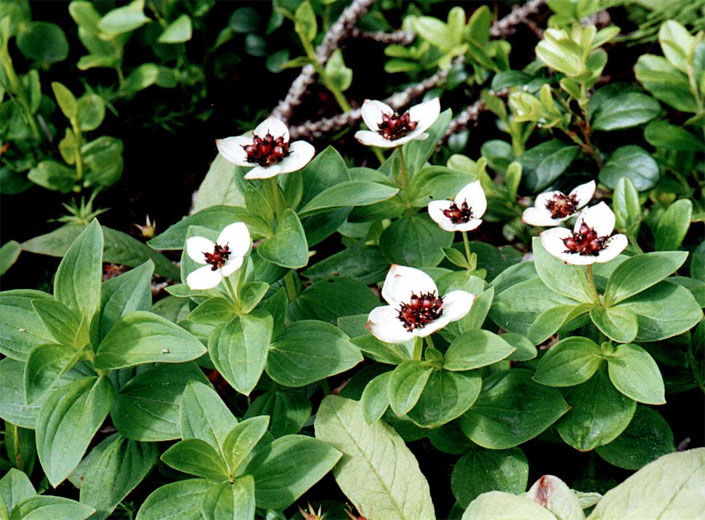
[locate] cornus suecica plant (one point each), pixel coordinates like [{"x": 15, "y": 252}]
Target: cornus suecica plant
[
  {"x": 415, "y": 308},
  {"x": 370, "y": 325},
  {"x": 551, "y": 208},
  {"x": 268, "y": 151}
]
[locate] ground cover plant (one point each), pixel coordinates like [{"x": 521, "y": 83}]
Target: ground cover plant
[{"x": 352, "y": 259}]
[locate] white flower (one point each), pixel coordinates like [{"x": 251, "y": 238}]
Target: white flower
[
  {"x": 387, "y": 129},
  {"x": 590, "y": 240},
  {"x": 415, "y": 309},
  {"x": 268, "y": 150},
  {"x": 463, "y": 213},
  {"x": 221, "y": 258},
  {"x": 553, "y": 207}
]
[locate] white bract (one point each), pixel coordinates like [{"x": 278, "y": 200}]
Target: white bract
[
  {"x": 590, "y": 241},
  {"x": 464, "y": 212},
  {"x": 268, "y": 150},
  {"x": 220, "y": 258},
  {"x": 387, "y": 129},
  {"x": 415, "y": 309},
  {"x": 553, "y": 207}
]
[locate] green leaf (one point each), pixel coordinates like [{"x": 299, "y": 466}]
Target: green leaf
[
  {"x": 511, "y": 409},
  {"x": 198, "y": 458},
  {"x": 66, "y": 100},
  {"x": 663, "y": 311},
  {"x": 620, "y": 325},
  {"x": 626, "y": 206},
  {"x": 14, "y": 487},
  {"x": 673, "y": 225},
  {"x": 234, "y": 500},
  {"x": 375, "y": 398},
  {"x": 65, "y": 326},
  {"x": 434, "y": 31},
  {"x": 223, "y": 187},
  {"x": 21, "y": 329},
  {"x": 669, "y": 487},
  {"x": 45, "y": 365},
  {"x": 475, "y": 349},
  {"x": 446, "y": 396},
  {"x": 288, "y": 410},
  {"x": 40, "y": 507},
  {"x": 414, "y": 241},
  {"x": 634, "y": 163},
  {"x": 553, "y": 319},
  {"x": 323, "y": 300},
  {"x": 561, "y": 53},
  {"x": 91, "y": 112},
  {"x": 147, "y": 408},
  {"x": 308, "y": 351},
  {"x": 338, "y": 74},
  {"x": 569, "y": 362},
  {"x": 481, "y": 470},
  {"x": 124, "y": 19},
  {"x": 119, "y": 468},
  {"x": 238, "y": 349},
  {"x": 288, "y": 246},
  {"x": 305, "y": 22},
  {"x": 44, "y": 42},
  {"x": 363, "y": 263},
  {"x": 120, "y": 248},
  {"x": 178, "y": 31},
  {"x": 395, "y": 488},
  {"x": 204, "y": 415},
  {"x": 417, "y": 152},
  {"x": 635, "y": 373},
  {"x": 641, "y": 272},
  {"x": 544, "y": 163},
  {"x": 78, "y": 278},
  {"x": 406, "y": 384},
  {"x": 676, "y": 43},
  {"x": 13, "y": 406},
  {"x": 497, "y": 505},
  {"x": 599, "y": 413},
  {"x": 625, "y": 111},
  {"x": 180, "y": 500},
  {"x": 67, "y": 422},
  {"x": 142, "y": 337},
  {"x": 53, "y": 176},
  {"x": 287, "y": 467},
  {"x": 242, "y": 439},
  {"x": 9, "y": 253},
  {"x": 665, "y": 82},
  {"x": 661, "y": 134},
  {"x": 129, "y": 292},
  {"x": 350, "y": 193},
  {"x": 558, "y": 276},
  {"x": 103, "y": 160}
]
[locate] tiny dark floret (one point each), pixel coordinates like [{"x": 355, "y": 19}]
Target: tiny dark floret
[
  {"x": 395, "y": 126},
  {"x": 218, "y": 257},
  {"x": 458, "y": 215},
  {"x": 267, "y": 150},
  {"x": 585, "y": 242},
  {"x": 420, "y": 310},
  {"x": 562, "y": 206}
]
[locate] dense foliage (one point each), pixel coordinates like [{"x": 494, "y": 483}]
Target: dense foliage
[{"x": 483, "y": 303}]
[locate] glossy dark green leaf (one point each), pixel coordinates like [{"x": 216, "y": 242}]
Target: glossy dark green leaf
[
  {"x": 662, "y": 134},
  {"x": 569, "y": 362},
  {"x": 641, "y": 272},
  {"x": 198, "y": 458},
  {"x": 375, "y": 398},
  {"x": 47, "y": 506},
  {"x": 673, "y": 225},
  {"x": 618, "y": 324},
  {"x": 327, "y": 300},
  {"x": 363, "y": 263},
  {"x": 406, "y": 385},
  {"x": 44, "y": 42},
  {"x": 634, "y": 163},
  {"x": 475, "y": 349},
  {"x": 544, "y": 163},
  {"x": 625, "y": 111},
  {"x": 415, "y": 241},
  {"x": 446, "y": 396},
  {"x": 350, "y": 193},
  {"x": 558, "y": 276},
  {"x": 665, "y": 82},
  {"x": 635, "y": 373},
  {"x": 288, "y": 410}
]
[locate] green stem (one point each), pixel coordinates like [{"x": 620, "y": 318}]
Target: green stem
[
  {"x": 77, "y": 152},
  {"x": 418, "y": 349},
  {"x": 231, "y": 290},
  {"x": 591, "y": 283},
  {"x": 290, "y": 285},
  {"x": 402, "y": 166},
  {"x": 378, "y": 153},
  {"x": 468, "y": 254},
  {"x": 321, "y": 71},
  {"x": 277, "y": 198},
  {"x": 429, "y": 342},
  {"x": 635, "y": 245},
  {"x": 18, "y": 90}
]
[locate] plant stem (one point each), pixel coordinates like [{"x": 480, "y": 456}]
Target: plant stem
[
  {"x": 378, "y": 153},
  {"x": 418, "y": 349},
  {"x": 337, "y": 94},
  {"x": 277, "y": 199},
  {"x": 591, "y": 283},
  {"x": 231, "y": 290},
  {"x": 18, "y": 90},
  {"x": 77, "y": 153},
  {"x": 403, "y": 172},
  {"x": 468, "y": 254},
  {"x": 429, "y": 342},
  {"x": 290, "y": 285}
]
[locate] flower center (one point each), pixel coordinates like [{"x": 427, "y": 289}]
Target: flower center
[
  {"x": 561, "y": 206},
  {"x": 395, "y": 126},
  {"x": 585, "y": 242},
  {"x": 218, "y": 257},
  {"x": 420, "y": 310},
  {"x": 458, "y": 215},
  {"x": 267, "y": 150}
]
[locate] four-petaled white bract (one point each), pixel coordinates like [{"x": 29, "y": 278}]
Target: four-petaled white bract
[
  {"x": 423, "y": 114},
  {"x": 541, "y": 215},
  {"x": 236, "y": 237},
  {"x": 471, "y": 198},
  {"x": 299, "y": 154},
  {"x": 598, "y": 218},
  {"x": 399, "y": 286}
]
